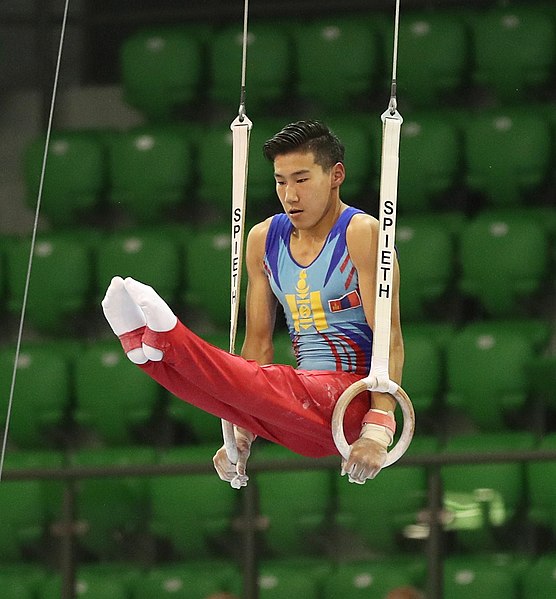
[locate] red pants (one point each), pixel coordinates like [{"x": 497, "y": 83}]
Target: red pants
[{"x": 287, "y": 406}]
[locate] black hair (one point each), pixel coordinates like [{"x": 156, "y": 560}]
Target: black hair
[{"x": 306, "y": 136}]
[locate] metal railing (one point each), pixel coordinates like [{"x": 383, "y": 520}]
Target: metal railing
[{"x": 67, "y": 531}]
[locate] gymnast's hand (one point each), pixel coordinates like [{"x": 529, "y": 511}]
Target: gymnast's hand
[
  {"x": 235, "y": 474},
  {"x": 365, "y": 461}
]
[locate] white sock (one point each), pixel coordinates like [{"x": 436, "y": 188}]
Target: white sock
[
  {"x": 123, "y": 315},
  {"x": 158, "y": 314},
  {"x": 121, "y": 312}
]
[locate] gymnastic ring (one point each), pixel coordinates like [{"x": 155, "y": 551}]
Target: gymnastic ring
[{"x": 408, "y": 419}]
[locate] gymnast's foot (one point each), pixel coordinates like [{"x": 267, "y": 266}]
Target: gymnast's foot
[
  {"x": 123, "y": 315},
  {"x": 158, "y": 314}
]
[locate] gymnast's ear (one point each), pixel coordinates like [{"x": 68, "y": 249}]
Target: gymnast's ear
[{"x": 338, "y": 173}]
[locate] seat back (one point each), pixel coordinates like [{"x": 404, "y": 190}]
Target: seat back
[
  {"x": 114, "y": 398},
  {"x": 470, "y": 577},
  {"x": 190, "y": 580},
  {"x": 538, "y": 580},
  {"x": 426, "y": 259},
  {"x": 41, "y": 394},
  {"x": 27, "y": 506},
  {"x": 398, "y": 494},
  {"x": 283, "y": 579},
  {"x": 161, "y": 70},
  {"x": 430, "y": 161},
  {"x": 361, "y": 155},
  {"x": 321, "y": 48},
  {"x": 112, "y": 509},
  {"x": 191, "y": 511},
  {"x": 508, "y": 154},
  {"x": 423, "y": 370},
  {"x": 514, "y": 50},
  {"x": 433, "y": 56},
  {"x": 504, "y": 260},
  {"x": 150, "y": 171},
  {"x": 294, "y": 504},
  {"x": 208, "y": 252},
  {"x": 486, "y": 374},
  {"x": 368, "y": 579},
  {"x": 75, "y": 175},
  {"x": 152, "y": 257},
  {"x": 60, "y": 282},
  {"x": 269, "y": 74},
  {"x": 483, "y": 497}
]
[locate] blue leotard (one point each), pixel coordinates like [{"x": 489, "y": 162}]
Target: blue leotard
[{"x": 321, "y": 301}]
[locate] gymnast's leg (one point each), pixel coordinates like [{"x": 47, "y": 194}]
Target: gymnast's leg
[{"x": 279, "y": 403}]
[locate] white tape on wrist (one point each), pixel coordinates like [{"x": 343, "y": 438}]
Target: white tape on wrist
[{"x": 379, "y": 426}]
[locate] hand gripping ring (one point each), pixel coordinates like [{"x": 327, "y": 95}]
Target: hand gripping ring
[{"x": 408, "y": 420}]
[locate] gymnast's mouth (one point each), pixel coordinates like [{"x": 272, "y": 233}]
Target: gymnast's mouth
[{"x": 294, "y": 211}]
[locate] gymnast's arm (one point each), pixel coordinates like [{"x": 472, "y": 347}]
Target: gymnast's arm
[
  {"x": 260, "y": 317},
  {"x": 362, "y": 239},
  {"x": 260, "y": 308}
]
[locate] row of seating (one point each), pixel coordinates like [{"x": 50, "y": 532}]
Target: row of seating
[
  {"x": 466, "y": 577},
  {"x": 501, "y": 261},
  {"x": 503, "y": 156},
  {"x": 507, "y": 50},
  {"x": 303, "y": 512}
]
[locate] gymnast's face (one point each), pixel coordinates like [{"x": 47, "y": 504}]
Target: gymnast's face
[{"x": 306, "y": 191}]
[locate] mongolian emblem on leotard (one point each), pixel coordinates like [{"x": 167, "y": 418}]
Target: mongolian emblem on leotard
[{"x": 306, "y": 306}]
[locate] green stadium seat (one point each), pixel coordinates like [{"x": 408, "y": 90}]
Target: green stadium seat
[
  {"x": 504, "y": 262},
  {"x": 508, "y": 154},
  {"x": 482, "y": 499},
  {"x": 371, "y": 579},
  {"x": 41, "y": 394},
  {"x": 423, "y": 370},
  {"x": 299, "y": 577},
  {"x": 473, "y": 576},
  {"x": 268, "y": 76},
  {"x": 200, "y": 425},
  {"x": 542, "y": 491},
  {"x": 207, "y": 275},
  {"x": 75, "y": 175},
  {"x": 27, "y": 506},
  {"x": 293, "y": 504},
  {"x": 21, "y": 581},
  {"x": 536, "y": 330},
  {"x": 486, "y": 375},
  {"x": 321, "y": 50},
  {"x": 114, "y": 398},
  {"x": 441, "y": 333},
  {"x": 433, "y": 56},
  {"x": 261, "y": 195},
  {"x": 161, "y": 70},
  {"x": 88, "y": 586},
  {"x": 191, "y": 511},
  {"x": 396, "y": 496},
  {"x": 150, "y": 171},
  {"x": 59, "y": 286},
  {"x": 190, "y": 580},
  {"x": 150, "y": 256},
  {"x": 539, "y": 580},
  {"x": 426, "y": 258},
  {"x": 112, "y": 510},
  {"x": 430, "y": 161},
  {"x": 360, "y": 155},
  {"x": 514, "y": 50},
  {"x": 214, "y": 165}
]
